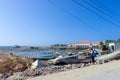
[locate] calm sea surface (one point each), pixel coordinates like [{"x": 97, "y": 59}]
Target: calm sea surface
[{"x": 46, "y": 53}]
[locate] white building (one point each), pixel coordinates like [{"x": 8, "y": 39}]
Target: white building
[
  {"x": 83, "y": 44},
  {"x": 96, "y": 44},
  {"x": 114, "y": 46}
]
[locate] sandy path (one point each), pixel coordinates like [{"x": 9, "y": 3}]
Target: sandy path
[{"x": 108, "y": 71}]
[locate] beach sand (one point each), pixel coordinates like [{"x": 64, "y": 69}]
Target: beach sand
[{"x": 106, "y": 71}]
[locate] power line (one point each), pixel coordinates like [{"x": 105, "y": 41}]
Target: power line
[
  {"x": 101, "y": 10},
  {"x": 62, "y": 9},
  {"x": 107, "y": 9},
  {"x": 96, "y": 13}
]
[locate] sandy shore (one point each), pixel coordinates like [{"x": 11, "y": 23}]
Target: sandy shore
[{"x": 107, "y": 71}]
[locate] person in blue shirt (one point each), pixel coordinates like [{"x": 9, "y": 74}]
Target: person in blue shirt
[{"x": 93, "y": 55}]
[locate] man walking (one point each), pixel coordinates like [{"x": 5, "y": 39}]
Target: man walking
[{"x": 93, "y": 55}]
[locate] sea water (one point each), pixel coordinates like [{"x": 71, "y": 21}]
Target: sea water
[{"x": 38, "y": 53}]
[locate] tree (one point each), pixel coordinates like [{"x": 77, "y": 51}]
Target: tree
[
  {"x": 101, "y": 44},
  {"x": 109, "y": 41}
]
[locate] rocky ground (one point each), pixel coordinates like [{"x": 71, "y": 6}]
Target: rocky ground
[
  {"x": 13, "y": 67},
  {"x": 106, "y": 71},
  {"x": 10, "y": 63}
]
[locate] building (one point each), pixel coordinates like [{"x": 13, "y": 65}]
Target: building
[
  {"x": 71, "y": 45},
  {"x": 96, "y": 44},
  {"x": 83, "y": 44},
  {"x": 114, "y": 46}
]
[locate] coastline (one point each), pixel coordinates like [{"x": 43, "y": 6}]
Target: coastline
[{"x": 72, "y": 72}]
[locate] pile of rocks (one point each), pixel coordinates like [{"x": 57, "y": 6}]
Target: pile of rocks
[
  {"x": 51, "y": 69},
  {"x": 13, "y": 63}
]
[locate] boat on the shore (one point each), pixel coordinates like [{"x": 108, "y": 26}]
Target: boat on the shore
[
  {"x": 70, "y": 59},
  {"x": 43, "y": 57},
  {"x": 110, "y": 56}
]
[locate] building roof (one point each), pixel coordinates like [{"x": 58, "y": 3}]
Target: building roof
[{"x": 85, "y": 42}]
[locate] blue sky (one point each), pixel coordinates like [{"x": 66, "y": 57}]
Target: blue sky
[{"x": 38, "y": 22}]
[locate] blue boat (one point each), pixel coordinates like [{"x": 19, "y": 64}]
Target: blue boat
[{"x": 46, "y": 57}]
